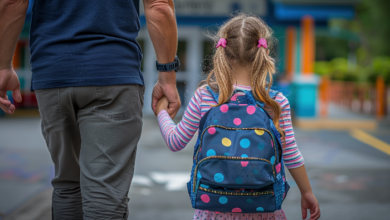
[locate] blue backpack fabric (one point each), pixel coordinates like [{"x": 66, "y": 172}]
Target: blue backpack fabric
[{"x": 238, "y": 164}]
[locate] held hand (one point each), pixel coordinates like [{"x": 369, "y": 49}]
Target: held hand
[
  {"x": 166, "y": 86},
  {"x": 9, "y": 82},
  {"x": 162, "y": 104},
  {"x": 310, "y": 202}
]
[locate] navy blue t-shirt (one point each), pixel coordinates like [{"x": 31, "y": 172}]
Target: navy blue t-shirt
[{"x": 85, "y": 43}]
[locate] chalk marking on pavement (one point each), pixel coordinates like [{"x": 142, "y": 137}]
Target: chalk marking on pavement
[
  {"x": 142, "y": 181},
  {"x": 175, "y": 181},
  {"x": 370, "y": 140}
]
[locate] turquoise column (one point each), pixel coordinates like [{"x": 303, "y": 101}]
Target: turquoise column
[{"x": 305, "y": 82}]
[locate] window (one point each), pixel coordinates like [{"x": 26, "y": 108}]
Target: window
[
  {"x": 207, "y": 56},
  {"x": 182, "y": 54},
  {"x": 181, "y": 88}
]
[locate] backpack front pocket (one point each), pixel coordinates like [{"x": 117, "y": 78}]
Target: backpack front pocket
[
  {"x": 227, "y": 200},
  {"x": 235, "y": 172},
  {"x": 226, "y": 141}
]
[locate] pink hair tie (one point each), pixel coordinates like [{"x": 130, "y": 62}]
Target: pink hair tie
[
  {"x": 221, "y": 42},
  {"x": 262, "y": 43}
]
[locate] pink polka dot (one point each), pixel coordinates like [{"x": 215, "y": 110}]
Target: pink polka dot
[
  {"x": 205, "y": 198},
  {"x": 277, "y": 168},
  {"x": 237, "y": 121},
  {"x": 212, "y": 130},
  {"x": 224, "y": 108},
  {"x": 251, "y": 109},
  {"x": 236, "y": 210},
  {"x": 244, "y": 163},
  {"x": 272, "y": 143}
]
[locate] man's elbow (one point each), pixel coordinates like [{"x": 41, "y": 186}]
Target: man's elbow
[
  {"x": 158, "y": 10},
  {"x": 19, "y": 5}
]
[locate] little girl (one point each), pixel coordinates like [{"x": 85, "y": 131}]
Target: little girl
[{"x": 242, "y": 61}]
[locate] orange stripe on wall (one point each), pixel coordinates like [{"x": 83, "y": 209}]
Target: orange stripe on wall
[
  {"x": 16, "y": 59},
  {"x": 308, "y": 45},
  {"x": 290, "y": 50}
]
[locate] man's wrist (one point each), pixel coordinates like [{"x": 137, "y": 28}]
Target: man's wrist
[
  {"x": 5, "y": 67},
  {"x": 167, "y": 78}
]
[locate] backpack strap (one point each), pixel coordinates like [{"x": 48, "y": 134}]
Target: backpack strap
[
  {"x": 273, "y": 94},
  {"x": 249, "y": 95},
  {"x": 214, "y": 94}
]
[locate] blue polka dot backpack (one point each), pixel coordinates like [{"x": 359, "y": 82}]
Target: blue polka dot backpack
[{"x": 237, "y": 159}]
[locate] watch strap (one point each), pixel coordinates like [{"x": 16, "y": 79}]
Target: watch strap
[{"x": 167, "y": 67}]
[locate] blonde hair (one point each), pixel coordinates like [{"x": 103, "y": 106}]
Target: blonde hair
[{"x": 242, "y": 34}]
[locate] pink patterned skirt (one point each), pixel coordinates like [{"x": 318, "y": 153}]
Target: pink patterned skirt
[{"x": 209, "y": 215}]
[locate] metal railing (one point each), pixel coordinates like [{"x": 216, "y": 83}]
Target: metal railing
[{"x": 367, "y": 98}]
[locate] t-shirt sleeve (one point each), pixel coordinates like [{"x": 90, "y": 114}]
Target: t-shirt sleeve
[{"x": 292, "y": 157}]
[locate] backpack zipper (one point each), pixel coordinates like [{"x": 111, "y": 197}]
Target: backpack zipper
[
  {"x": 267, "y": 192},
  {"x": 219, "y": 126},
  {"x": 224, "y": 185},
  {"x": 227, "y": 158}
]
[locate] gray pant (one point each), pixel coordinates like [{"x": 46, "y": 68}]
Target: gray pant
[{"x": 92, "y": 135}]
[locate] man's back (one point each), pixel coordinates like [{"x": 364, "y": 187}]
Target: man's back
[{"x": 85, "y": 43}]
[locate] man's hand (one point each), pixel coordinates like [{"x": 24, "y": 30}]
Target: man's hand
[
  {"x": 166, "y": 86},
  {"x": 9, "y": 82}
]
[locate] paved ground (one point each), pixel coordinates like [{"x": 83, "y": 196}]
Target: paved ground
[{"x": 350, "y": 178}]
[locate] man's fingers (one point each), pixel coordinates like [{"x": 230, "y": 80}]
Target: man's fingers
[
  {"x": 304, "y": 213},
  {"x": 4, "y": 101},
  {"x": 8, "y": 109},
  {"x": 173, "y": 108},
  {"x": 154, "y": 105},
  {"x": 157, "y": 94},
  {"x": 17, "y": 95}
]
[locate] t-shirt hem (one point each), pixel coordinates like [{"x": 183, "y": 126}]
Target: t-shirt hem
[{"x": 86, "y": 82}]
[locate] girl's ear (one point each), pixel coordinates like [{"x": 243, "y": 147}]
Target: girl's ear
[{"x": 267, "y": 52}]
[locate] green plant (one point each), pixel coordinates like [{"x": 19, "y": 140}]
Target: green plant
[
  {"x": 380, "y": 66},
  {"x": 322, "y": 68}
]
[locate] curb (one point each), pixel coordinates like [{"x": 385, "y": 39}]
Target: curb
[
  {"x": 22, "y": 113},
  {"x": 336, "y": 124},
  {"x": 37, "y": 208}
]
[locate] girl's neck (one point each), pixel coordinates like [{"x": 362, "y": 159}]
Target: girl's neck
[{"x": 241, "y": 76}]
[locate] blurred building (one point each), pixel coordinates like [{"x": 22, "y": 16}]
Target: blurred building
[{"x": 294, "y": 23}]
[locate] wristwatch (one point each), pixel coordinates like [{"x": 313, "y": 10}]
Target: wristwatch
[{"x": 167, "y": 67}]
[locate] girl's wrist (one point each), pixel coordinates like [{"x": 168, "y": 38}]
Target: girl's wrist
[
  {"x": 306, "y": 192},
  {"x": 159, "y": 111}
]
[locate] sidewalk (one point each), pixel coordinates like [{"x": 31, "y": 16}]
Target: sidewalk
[
  {"x": 339, "y": 118},
  {"x": 343, "y": 172}
]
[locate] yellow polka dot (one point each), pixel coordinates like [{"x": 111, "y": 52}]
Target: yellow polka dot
[
  {"x": 259, "y": 132},
  {"x": 226, "y": 142}
]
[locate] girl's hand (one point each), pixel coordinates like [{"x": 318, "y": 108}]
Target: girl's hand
[
  {"x": 310, "y": 202},
  {"x": 162, "y": 104}
]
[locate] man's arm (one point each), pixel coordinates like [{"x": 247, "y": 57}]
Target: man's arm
[
  {"x": 161, "y": 22},
  {"x": 12, "y": 16}
]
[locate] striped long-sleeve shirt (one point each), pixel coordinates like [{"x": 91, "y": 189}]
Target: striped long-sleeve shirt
[{"x": 177, "y": 136}]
